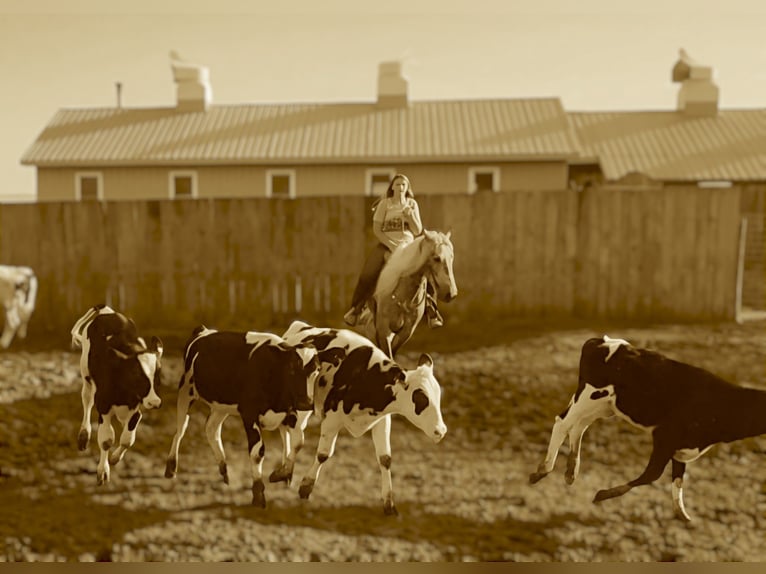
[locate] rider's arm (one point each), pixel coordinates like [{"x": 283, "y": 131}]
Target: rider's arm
[
  {"x": 377, "y": 226},
  {"x": 414, "y": 218}
]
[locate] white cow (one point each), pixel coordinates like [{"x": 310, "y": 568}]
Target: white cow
[
  {"x": 18, "y": 291},
  {"x": 120, "y": 375},
  {"x": 359, "y": 388}
]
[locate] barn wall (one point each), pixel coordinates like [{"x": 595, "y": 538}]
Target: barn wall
[
  {"x": 616, "y": 254},
  {"x": 232, "y": 181}
]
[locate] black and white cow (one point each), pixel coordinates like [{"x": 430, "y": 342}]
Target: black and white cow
[
  {"x": 256, "y": 376},
  {"x": 120, "y": 374},
  {"x": 18, "y": 291},
  {"x": 687, "y": 409},
  {"x": 358, "y": 389}
]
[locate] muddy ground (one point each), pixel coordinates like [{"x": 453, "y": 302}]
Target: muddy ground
[{"x": 467, "y": 498}]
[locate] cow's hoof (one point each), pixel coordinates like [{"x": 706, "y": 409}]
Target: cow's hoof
[
  {"x": 389, "y": 509},
  {"x": 281, "y": 475},
  {"x": 82, "y": 440},
  {"x": 611, "y": 492},
  {"x": 305, "y": 490},
  {"x": 569, "y": 478},
  {"x": 536, "y": 477},
  {"x": 102, "y": 479},
  {"x": 259, "y": 498},
  {"x": 170, "y": 468},
  {"x": 224, "y": 471},
  {"x": 683, "y": 517}
]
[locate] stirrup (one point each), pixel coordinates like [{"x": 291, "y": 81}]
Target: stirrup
[{"x": 435, "y": 321}]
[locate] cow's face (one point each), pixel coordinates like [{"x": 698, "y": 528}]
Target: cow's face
[
  {"x": 143, "y": 371},
  {"x": 422, "y": 399}
]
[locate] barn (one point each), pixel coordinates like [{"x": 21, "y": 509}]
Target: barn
[{"x": 200, "y": 149}]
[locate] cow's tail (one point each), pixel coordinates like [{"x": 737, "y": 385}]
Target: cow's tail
[{"x": 82, "y": 323}]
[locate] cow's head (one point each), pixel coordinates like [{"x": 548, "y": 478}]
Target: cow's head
[
  {"x": 421, "y": 399},
  {"x": 141, "y": 372}
]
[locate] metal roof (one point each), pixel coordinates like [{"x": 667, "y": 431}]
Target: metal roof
[
  {"x": 454, "y": 130},
  {"x": 672, "y": 146}
]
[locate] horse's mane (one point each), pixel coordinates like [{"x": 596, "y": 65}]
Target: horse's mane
[{"x": 407, "y": 258}]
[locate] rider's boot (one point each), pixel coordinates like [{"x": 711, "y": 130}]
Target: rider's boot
[{"x": 435, "y": 318}]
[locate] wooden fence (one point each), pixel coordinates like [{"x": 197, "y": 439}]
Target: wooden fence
[{"x": 662, "y": 255}]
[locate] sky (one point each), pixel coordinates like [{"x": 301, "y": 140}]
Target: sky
[{"x": 592, "y": 54}]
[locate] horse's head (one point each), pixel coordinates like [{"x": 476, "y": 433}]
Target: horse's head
[{"x": 441, "y": 257}]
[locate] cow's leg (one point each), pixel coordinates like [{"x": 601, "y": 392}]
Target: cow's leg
[
  {"x": 257, "y": 450},
  {"x": 559, "y": 432},
  {"x": 661, "y": 454},
  {"x": 584, "y": 407},
  {"x": 325, "y": 449},
  {"x": 213, "y": 433},
  {"x": 129, "y": 421},
  {"x": 292, "y": 442},
  {"x": 183, "y": 403},
  {"x": 25, "y": 314},
  {"x": 678, "y": 470},
  {"x": 381, "y": 438},
  {"x": 105, "y": 442},
  {"x": 87, "y": 394},
  {"x": 600, "y": 410},
  {"x": 279, "y": 474},
  {"x": 9, "y": 329}
]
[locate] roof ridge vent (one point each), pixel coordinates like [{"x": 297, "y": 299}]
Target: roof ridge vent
[
  {"x": 392, "y": 85},
  {"x": 698, "y": 95},
  {"x": 193, "y": 90}
]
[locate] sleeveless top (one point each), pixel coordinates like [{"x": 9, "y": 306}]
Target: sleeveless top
[{"x": 393, "y": 223}]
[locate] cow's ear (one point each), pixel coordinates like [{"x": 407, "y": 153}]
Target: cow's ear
[
  {"x": 425, "y": 359},
  {"x": 157, "y": 345}
]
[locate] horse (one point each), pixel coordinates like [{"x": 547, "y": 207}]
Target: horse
[{"x": 398, "y": 303}]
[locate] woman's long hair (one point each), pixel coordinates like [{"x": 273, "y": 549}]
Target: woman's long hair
[{"x": 390, "y": 191}]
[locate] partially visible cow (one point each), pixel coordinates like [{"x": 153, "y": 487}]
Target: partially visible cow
[
  {"x": 358, "y": 389},
  {"x": 120, "y": 374},
  {"x": 687, "y": 409},
  {"x": 18, "y": 291},
  {"x": 257, "y": 376}
]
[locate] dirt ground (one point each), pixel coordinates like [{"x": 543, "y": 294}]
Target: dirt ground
[{"x": 465, "y": 499}]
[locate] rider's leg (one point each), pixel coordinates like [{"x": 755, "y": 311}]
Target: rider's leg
[
  {"x": 432, "y": 312},
  {"x": 365, "y": 286}
]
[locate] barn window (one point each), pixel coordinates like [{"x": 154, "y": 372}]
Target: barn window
[
  {"x": 89, "y": 186},
  {"x": 377, "y": 181},
  {"x": 280, "y": 183},
  {"x": 483, "y": 179},
  {"x": 183, "y": 184}
]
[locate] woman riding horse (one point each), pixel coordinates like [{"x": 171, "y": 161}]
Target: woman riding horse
[{"x": 396, "y": 218}]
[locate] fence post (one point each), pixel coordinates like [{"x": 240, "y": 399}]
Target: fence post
[{"x": 740, "y": 270}]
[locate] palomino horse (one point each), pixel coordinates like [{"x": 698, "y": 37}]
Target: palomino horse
[{"x": 399, "y": 301}]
